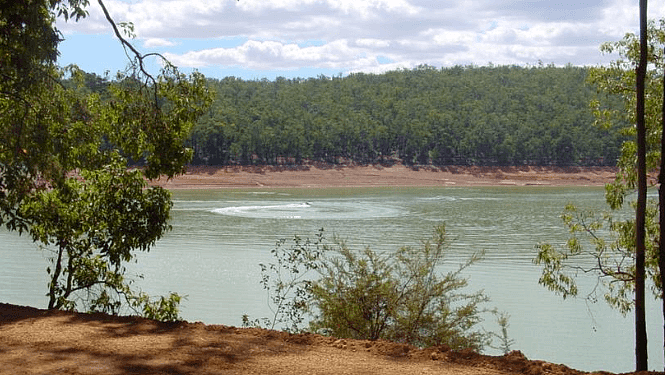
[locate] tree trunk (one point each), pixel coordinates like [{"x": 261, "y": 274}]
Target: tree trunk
[
  {"x": 54, "y": 279},
  {"x": 641, "y": 361},
  {"x": 661, "y": 203}
]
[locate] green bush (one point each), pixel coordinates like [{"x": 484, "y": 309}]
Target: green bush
[
  {"x": 166, "y": 309},
  {"x": 286, "y": 283},
  {"x": 398, "y": 296}
]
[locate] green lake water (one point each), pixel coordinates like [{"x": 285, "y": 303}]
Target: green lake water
[{"x": 220, "y": 236}]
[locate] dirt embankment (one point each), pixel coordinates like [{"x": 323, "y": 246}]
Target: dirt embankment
[
  {"x": 324, "y": 175},
  {"x": 34, "y": 341}
]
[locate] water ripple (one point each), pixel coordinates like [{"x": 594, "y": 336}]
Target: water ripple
[{"x": 317, "y": 210}]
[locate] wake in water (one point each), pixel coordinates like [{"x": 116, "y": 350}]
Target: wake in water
[
  {"x": 281, "y": 211},
  {"x": 325, "y": 210}
]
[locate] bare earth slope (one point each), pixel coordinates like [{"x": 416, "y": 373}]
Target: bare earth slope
[
  {"x": 36, "y": 341},
  {"x": 322, "y": 175}
]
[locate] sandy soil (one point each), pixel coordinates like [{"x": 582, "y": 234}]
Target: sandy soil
[
  {"x": 318, "y": 175},
  {"x": 36, "y": 341}
]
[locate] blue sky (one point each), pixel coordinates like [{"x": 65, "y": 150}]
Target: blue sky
[{"x": 256, "y": 39}]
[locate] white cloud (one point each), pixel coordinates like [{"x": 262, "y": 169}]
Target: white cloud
[
  {"x": 369, "y": 42},
  {"x": 351, "y": 35},
  {"x": 157, "y": 42},
  {"x": 262, "y": 55},
  {"x": 451, "y": 37}
]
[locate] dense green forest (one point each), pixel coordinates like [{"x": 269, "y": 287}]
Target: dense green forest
[{"x": 496, "y": 115}]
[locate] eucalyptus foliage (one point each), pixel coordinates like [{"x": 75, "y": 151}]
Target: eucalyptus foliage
[
  {"x": 74, "y": 162},
  {"x": 619, "y": 79},
  {"x": 603, "y": 244}
]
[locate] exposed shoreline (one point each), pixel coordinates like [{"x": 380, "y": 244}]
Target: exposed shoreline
[
  {"x": 323, "y": 175},
  {"x": 37, "y": 341}
]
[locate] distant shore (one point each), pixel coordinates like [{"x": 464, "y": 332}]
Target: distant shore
[{"x": 324, "y": 175}]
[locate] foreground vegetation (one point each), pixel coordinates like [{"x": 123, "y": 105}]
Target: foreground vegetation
[
  {"x": 626, "y": 255},
  {"x": 65, "y": 152},
  {"x": 402, "y": 296}
]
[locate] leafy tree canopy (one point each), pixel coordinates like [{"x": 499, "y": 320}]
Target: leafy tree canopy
[
  {"x": 604, "y": 244},
  {"x": 65, "y": 152}
]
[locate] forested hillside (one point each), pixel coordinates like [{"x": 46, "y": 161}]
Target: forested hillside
[{"x": 504, "y": 115}]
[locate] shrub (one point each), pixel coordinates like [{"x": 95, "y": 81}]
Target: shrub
[
  {"x": 399, "y": 297},
  {"x": 396, "y": 296},
  {"x": 286, "y": 283}
]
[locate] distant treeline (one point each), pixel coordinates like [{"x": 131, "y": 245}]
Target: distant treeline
[
  {"x": 503, "y": 115},
  {"x": 497, "y": 115}
]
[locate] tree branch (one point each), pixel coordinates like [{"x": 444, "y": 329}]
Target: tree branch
[{"x": 125, "y": 43}]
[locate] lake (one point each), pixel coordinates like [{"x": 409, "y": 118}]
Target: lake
[{"x": 220, "y": 236}]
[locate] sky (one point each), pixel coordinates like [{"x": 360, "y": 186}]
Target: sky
[{"x": 257, "y": 39}]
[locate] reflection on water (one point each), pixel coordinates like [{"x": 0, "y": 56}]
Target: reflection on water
[{"x": 220, "y": 236}]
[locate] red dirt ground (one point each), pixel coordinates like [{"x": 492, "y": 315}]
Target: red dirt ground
[{"x": 34, "y": 341}]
